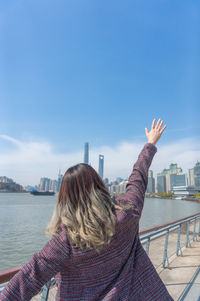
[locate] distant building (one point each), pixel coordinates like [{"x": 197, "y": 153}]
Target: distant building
[
  {"x": 177, "y": 180},
  {"x": 53, "y": 185},
  {"x": 101, "y": 165},
  {"x": 191, "y": 176},
  {"x": 197, "y": 175},
  {"x": 44, "y": 184},
  {"x": 166, "y": 184},
  {"x": 8, "y": 185},
  {"x": 6, "y": 180},
  {"x": 106, "y": 181},
  {"x": 185, "y": 190},
  {"x": 151, "y": 182},
  {"x": 194, "y": 175},
  {"x": 86, "y": 153},
  {"x": 161, "y": 183},
  {"x": 59, "y": 181}
]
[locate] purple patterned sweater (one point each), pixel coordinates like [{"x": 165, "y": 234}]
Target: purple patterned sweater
[{"x": 121, "y": 272}]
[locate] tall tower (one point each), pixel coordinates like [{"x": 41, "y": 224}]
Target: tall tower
[
  {"x": 86, "y": 153},
  {"x": 101, "y": 165},
  {"x": 59, "y": 180}
]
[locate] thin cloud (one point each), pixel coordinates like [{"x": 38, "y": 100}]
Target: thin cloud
[{"x": 28, "y": 161}]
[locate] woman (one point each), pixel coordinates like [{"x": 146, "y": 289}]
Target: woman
[{"x": 95, "y": 251}]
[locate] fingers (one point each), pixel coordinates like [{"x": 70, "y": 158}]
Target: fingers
[
  {"x": 158, "y": 123},
  {"x": 153, "y": 124},
  {"x": 163, "y": 129}
]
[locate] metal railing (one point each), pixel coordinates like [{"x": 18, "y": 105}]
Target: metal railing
[
  {"x": 170, "y": 227},
  {"x": 146, "y": 236}
]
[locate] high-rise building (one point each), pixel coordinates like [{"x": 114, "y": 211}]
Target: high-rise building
[
  {"x": 161, "y": 183},
  {"x": 59, "y": 180},
  {"x": 44, "y": 184},
  {"x": 178, "y": 180},
  {"x": 151, "y": 182},
  {"x": 101, "y": 165},
  {"x": 197, "y": 175},
  {"x": 191, "y": 176},
  {"x": 53, "y": 185},
  {"x": 166, "y": 184},
  {"x": 86, "y": 153}
]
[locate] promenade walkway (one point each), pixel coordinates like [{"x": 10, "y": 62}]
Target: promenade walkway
[{"x": 182, "y": 280}]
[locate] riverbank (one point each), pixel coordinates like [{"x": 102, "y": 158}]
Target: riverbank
[{"x": 191, "y": 199}]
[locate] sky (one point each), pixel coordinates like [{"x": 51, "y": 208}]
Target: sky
[{"x": 97, "y": 71}]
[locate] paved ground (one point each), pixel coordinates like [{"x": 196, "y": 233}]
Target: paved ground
[{"x": 182, "y": 268}]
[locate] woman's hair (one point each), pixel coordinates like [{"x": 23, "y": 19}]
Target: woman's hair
[{"x": 85, "y": 207}]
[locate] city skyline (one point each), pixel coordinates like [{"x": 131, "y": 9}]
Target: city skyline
[{"x": 157, "y": 183}]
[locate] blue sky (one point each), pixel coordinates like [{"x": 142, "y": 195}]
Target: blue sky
[{"x": 97, "y": 71}]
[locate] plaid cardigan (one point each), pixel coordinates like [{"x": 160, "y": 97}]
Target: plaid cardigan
[{"x": 122, "y": 271}]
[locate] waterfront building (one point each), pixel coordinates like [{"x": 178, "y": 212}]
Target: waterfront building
[
  {"x": 185, "y": 190},
  {"x": 53, "y": 185},
  {"x": 178, "y": 180},
  {"x": 151, "y": 182},
  {"x": 194, "y": 175},
  {"x": 166, "y": 184},
  {"x": 6, "y": 180},
  {"x": 197, "y": 175},
  {"x": 191, "y": 176},
  {"x": 161, "y": 183},
  {"x": 86, "y": 153},
  {"x": 118, "y": 180},
  {"x": 106, "y": 181},
  {"x": 174, "y": 169},
  {"x": 59, "y": 181},
  {"x": 122, "y": 186},
  {"x": 101, "y": 165},
  {"x": 44, "y": 184}
]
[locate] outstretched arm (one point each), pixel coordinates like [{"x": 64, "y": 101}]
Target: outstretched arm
[
  {"x": 43, "y": 266},
  {"x": 138, "y": 180}
]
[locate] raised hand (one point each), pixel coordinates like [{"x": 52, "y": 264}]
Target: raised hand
[{"x": 155, "y": 133}]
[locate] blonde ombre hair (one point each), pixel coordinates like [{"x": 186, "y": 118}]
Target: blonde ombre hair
[{"x": 84, "y": 206}]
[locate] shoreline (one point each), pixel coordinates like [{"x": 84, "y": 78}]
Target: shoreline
[{"x": 173, "y": 198}]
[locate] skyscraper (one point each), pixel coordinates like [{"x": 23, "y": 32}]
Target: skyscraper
[
  {"x": 101, "y": 165},
  {"x": 86, "y": 153},
  {"x": 197, "y": 175},
  {"x": 161, "y": 183},
  {"x": 59, "y": 180},
  {"x": 151, "y": 182}
]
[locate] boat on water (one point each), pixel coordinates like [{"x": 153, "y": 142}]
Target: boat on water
[{"x": 35, "y": 192}]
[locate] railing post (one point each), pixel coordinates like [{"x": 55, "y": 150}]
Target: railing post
[
  {"x": 147, "y": 245},
  {"x": 199, "y": 226},
  {"x": 178, "y": 242},
  {"x": 187, "y": 238},
  {"x": 45, "y": 289},
  {"x": 194, "y": 232},
  {"x": 165, "y": 257}
]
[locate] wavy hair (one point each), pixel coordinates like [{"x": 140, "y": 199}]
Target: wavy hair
[{"x": 85, "y": 207}]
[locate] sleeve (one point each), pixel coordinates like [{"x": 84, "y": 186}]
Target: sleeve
[
  {"x": 43, "y": 266},
  {"x": 138, "y": 180}
]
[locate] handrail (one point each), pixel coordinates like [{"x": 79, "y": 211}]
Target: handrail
[
  {"x": 167, "y": 224},
  {"x": 6, "y": 275}
]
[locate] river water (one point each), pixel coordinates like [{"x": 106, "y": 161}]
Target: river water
[{"x": 24, "y": 217}]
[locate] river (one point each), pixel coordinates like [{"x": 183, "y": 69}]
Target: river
[{"x": 24, "y": 217}]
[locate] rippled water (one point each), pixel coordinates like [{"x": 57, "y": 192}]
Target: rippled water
[{"x": 24, "y": 217}]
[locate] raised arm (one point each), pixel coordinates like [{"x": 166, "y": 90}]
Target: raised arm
[
  {"x": 138, "y": 180},
  {"x": 43, "y": 266}
]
